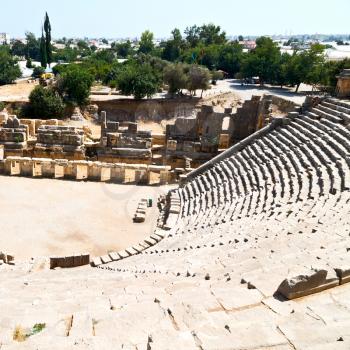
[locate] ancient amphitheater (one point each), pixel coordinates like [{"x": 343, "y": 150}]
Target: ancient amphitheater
[{"x": 252, "y": 253}]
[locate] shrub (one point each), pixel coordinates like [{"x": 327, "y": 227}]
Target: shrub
[
  {"x": 139, "y": 81},
  {"x": 74, "y": 85},
  {"x": 38, "y": 71},
  {"x": 175, "y": 77},
  {"x": 44, "y": 103},
  {"x": 9, "y": 68},
  {"x": 215, "y": 76}
]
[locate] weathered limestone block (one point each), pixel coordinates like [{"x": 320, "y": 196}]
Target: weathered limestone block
[
  {"x": 141, "y": 176},
  {"x": 105, "y": 173},
  {"x": 106, "y": 259},
  {"x": 14, "y": 167},
  {"x": 36, "y": 168},
  {"x": 80, "y": 170},
  {"x": 70, "y": 261},
  {"x": 164, "y": 177},
  {"x": 47, "y": 167},
  {"x": 171, "y": 145},
  {"x": 309, "y": 282},
  {"x": 31, "y": 125},
  {"x": 3, "y": 116},
  {"x": 96, "y": 262},
  {"x": 118, "y": 173},
  {"x": 94, "y": 171},
  {"x": 60, "y": 166},
  {"x": 26, "y": 167}
]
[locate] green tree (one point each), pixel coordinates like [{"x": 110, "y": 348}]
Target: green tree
[
  {"x": 230, "y": 58},
  {"x": 333, "y": 68},
  {"x": 44, "y": 103},
  {"x": 82, "y": 45},
  {"x": 192, "y": 35},
  {"x": 140, "y": 81},
  {"x": 172, "y": 48},
  {"x": 197, "y": 79},
  {"x": 67, "y": 54},
  {"x": 74, "y": 85},
  {"x": 263, "y": 61},
  {"x": 19, "y": 49},
  {"x": 9, "y": 68},
  {"x": 33, "y": 46},
  {"x": 38, "y": 71},
  {"x": 123, "y": 49},
  {"x": 305, "y": 66},
  {"x": 29, "y": 63},
  {"x": 215, "y": 76},
  {"x": 43, "y": 53},
  {"x": 48, "y": 47},
  {"x": 211, "y": 34},
  {"x": 146, "y": 42},
  {"x": 175, "y": 77}
]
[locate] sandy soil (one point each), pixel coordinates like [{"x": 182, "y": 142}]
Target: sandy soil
[
  {"x": 40, "y": 217},
  {"x": 16, "y": 92}
]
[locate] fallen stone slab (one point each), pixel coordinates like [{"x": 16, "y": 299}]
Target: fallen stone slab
[
  {"x": 155, "y": 237},
  {"x": 106, "y": 259},
  {"x": 123, "y": 254},
  {"x": 309, "y": 282},
  {"x": 131, "y": 251},
  {"x": 96, "y": 262},
  {"x": 160, "y": 235},
  {"x": 114, "y": 256},
  {"x": 151, "y": 241}
]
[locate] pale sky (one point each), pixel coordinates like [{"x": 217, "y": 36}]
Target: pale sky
[{"x": 128, "y": 18}]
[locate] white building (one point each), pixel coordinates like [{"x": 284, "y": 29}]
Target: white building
[{"x": 4, "y": 38}]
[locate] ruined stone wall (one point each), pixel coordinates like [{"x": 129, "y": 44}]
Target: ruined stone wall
[
  {"x": 282, "y": 104},
  {"x": 343, "y": 84},
  {"x": 155, "y": 109},
  {"x": 253, "y": 115}
]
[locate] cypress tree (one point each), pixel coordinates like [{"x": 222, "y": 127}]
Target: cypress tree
[
  {"x": 43, "y": 54},
  {"x": 48, "y": 48}
]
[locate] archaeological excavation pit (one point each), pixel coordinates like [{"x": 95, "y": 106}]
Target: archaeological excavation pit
[{"x": 45, "y": 217}]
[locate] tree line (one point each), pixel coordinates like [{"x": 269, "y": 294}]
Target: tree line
[{"x": 186, "y": 61}]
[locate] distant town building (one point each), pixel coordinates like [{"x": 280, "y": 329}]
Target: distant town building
[
  {"x": 248, "y": 44},
  {"x": 4, "y": 38}
]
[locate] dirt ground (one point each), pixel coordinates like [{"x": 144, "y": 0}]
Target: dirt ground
[
  {"x": 42, "y": 217},
  {"x": 16, "y": 92}
]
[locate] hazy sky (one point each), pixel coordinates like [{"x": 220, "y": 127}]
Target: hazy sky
[{"x": 128, "y": 18}]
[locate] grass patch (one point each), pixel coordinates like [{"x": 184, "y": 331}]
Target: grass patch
[{"x": 21, "y": 334}]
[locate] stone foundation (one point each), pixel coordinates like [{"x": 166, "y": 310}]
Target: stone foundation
[{"x": 83, "y": 170}]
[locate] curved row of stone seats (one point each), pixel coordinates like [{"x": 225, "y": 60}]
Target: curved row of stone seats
[
  {"x": 272, "y": 216},
  {"x": 155, "y": 238},
  {"x": 69, "y": 261},
  {"x": 296, "y": 176}
]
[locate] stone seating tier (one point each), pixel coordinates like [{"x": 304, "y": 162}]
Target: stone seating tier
[{"x": 254, "y": 255}]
